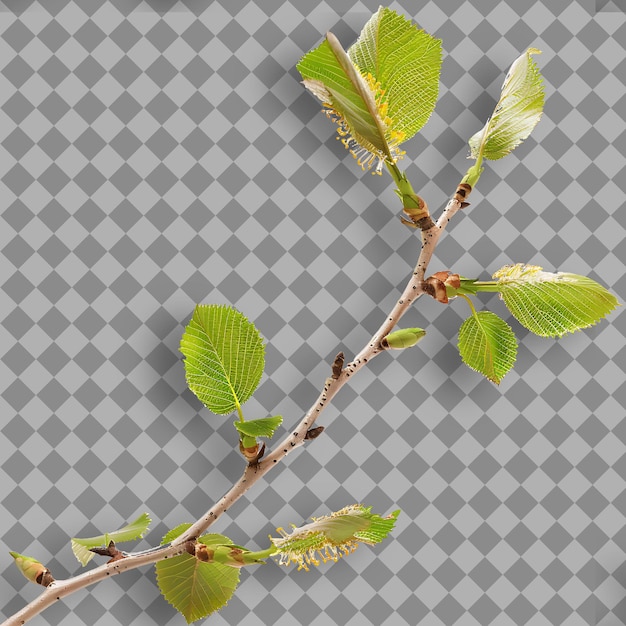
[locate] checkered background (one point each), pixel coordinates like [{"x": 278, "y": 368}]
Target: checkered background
[{"x": 156, "y": 154}]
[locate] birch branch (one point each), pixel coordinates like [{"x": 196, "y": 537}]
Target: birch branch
[{"x": 255, "y": 471}]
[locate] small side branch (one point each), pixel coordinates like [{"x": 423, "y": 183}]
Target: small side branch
[
  {"x": 62, "y": 588},
  {"x": 253, "y": 472}
]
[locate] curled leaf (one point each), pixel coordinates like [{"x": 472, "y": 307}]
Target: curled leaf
[
  {"x": 134, "y": 530},
  {"x": 517, "y": 112},
  {"x": 332, "y": 536},
  {"x": 264, "y": 427},
  {"x": 552, "y": 304},
  {"x": 381, "y": 91}
]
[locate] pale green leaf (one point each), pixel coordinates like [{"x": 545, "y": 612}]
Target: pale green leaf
[
  {"x": 516, "y": 113},
  {"x": 333, "y": 536},
  {"x": 552, "y": 304},
  {"x": 224, "y": 357},
  {"x": 488, "y": 345},
  {"x": 331, "y": 76},
  {"x": 406, "y": 61},
  {"x": 382, "y": 91},
  {"x": 175, "y": 532},
  {"x": 264, "y": 427},
  {"x": 194, "y": 588},
  {"x": 134, "y": 530}
]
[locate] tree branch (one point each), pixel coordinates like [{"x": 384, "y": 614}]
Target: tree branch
[
  {"x": 256, "y": 470},
  {"x": 62, "y": 588}
]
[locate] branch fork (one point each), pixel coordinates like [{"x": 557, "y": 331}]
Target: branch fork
[{"x": 258, "y": 466}]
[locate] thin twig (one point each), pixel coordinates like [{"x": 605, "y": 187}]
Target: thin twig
[
  {"x": 62, "y": 588},
  {"x": 332, "y": 385},
  {"x": 255, "y": 471}
]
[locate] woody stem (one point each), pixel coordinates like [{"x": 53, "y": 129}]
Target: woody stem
[{"x": 253, "y": 472}]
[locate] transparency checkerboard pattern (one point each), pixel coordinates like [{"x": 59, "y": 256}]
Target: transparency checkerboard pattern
[{"x": 157, "y": 154}]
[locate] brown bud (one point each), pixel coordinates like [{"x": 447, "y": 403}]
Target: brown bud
[
  {"x": 337, "y": 365},
  {"x": 236, "y": 557},
  {"x": 437, "y": 283},
  {"x": 417, "y": 212},
  {"x": 110, "y": 550},
  {"x": 442, "y": 276},
  {"x": 462, "y": 191},
  {"x": 249, "y": 453},
  {"x": 314, "y": 433},
  {"x": 252, "y": 454},
  {"x": 453, "y": 280},
  {"x": 437, "y": 289},
  {"x": 32, "y": 569},
  {"x": 203, "y": 553}
]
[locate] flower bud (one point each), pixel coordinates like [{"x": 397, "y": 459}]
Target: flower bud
[
  {"x": 32, "y": 569},
  {"x": 227, "y": 554},
  {"x": 235, "y": 556},
  {"x": 403, "y": 338}
]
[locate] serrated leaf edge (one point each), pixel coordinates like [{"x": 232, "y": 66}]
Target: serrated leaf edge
[
  {"x": 476, "y": 318},
  {"x": 81, "y": 545}
]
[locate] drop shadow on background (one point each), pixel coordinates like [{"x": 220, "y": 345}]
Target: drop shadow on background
[
  {"x": 619, "y": 607},
  {"x": 172, "y": 6},
  {"x": 18, "y": 6},
  {"x": 125, "y": 6},
  {"x": 610, "y": 6}
]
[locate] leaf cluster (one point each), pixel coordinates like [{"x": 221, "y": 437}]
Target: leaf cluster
[
  {"x": 548, "y": 304},
  {"x": 380, "y": 92}
]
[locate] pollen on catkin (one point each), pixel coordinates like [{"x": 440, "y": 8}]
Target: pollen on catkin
[{"x": 368, "y": 155}]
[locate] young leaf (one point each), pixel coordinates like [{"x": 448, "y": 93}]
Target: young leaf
[
  {"x": 224, "y": 357},
  {"x": 134, "y": 530},
  {"x": 406, "y": 61},
  {"x": 333, "y": 536},
  {"x": 330, "y": 75},
  {"x": 382, "y": 91},
  {"x": 175, "y": 532},
  {"x": 516, "y": 113},
  {"x": 552, "y": 304},
  {"x": 487, "y": 344},
  {"x": 264, "y": 427},
  {"x": 194, "y": 588}
]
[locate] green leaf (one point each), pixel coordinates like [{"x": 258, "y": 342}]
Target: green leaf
[
  {"x": 406, "y": 61},
  {"x": 330, "y": 75},
  {"x": 224, "y": 357},
  {"x": 134, "y": 530},
  {"x": 552, "y": 304},
  {"x": 333, "y": 536},
  {"x": 516, "y": 113},
  {"x": 196, "y": 589},
  {"x": 264, "y": 427},
  {"x": 488, "y": 345},
  {"x": 177, "y": 531},
  {"x": 392, "y": 70}
]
